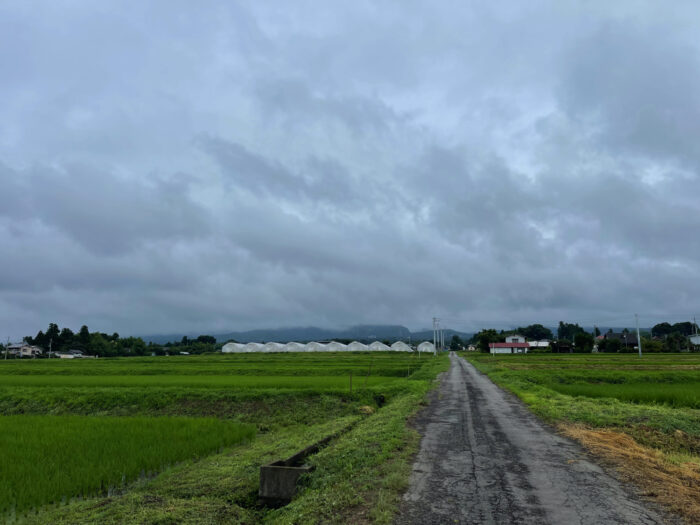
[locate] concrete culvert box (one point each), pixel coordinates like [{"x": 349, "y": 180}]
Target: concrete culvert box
[{"x": 278, "y": 482}]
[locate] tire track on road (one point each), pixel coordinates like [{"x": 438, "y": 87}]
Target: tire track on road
[{"x": 485, "y": 459}]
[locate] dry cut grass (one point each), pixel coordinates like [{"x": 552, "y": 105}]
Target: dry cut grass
[{"x": 673, "y": 483}]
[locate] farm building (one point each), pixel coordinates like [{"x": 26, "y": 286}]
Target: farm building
[
  {"x": 294, "y": 347},
  {"x": 400, "y": 346},
  {"x": 357, "y": 347},
  {"x": 315, "y": 347},
  {"x": 515, "y": 344},
  {"x": 377, "y": 346},
  {"x": 24, "y": 350},
  {"x": 334, "y": 346}
]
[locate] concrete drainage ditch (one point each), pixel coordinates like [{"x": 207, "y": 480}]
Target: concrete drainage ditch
[{"x": 278, "y": 480}]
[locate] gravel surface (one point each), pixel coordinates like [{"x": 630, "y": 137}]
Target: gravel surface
[{"x": 484, "y": 458}]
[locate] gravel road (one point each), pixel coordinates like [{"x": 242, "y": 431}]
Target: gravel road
[{"x": 484, "y": 458}]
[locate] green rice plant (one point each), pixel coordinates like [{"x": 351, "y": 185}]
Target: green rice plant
[
  {"x": 392, "y": 364},
  {"x": 260, "y": 382},
  {"x": 674, "y": 395},
  {"x": 48, "y": 459}
]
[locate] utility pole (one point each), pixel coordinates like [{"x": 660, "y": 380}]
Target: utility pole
[
  {"x": 50, "y": 345},
  {"x": 639, "y": 339},
  {"x": 7, "y": 347}
]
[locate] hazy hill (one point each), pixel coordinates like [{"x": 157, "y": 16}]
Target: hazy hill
[{"x": 312, "y": 333}]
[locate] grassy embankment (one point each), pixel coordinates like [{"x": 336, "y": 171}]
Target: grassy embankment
[
  {"x": 292, "y": 399},
  {"x": 641, "y": 415}
]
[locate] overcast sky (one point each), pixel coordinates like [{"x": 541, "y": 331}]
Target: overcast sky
[{"x": 202, "y": 167}]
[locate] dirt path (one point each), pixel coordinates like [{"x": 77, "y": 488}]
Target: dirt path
[{"x": 484, "y": 458}]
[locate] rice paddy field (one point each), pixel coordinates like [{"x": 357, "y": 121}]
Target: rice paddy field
[
  {"x": 659, "y": 391},
  {"x": 180, "y": 439}
]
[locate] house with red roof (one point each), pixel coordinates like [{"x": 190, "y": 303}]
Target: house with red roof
[{"x": 515, "y": 344}]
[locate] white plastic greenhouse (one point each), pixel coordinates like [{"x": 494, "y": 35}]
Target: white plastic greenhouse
[
  {"x": 294, "y": 347},
  {"x": 315, "y": 347},
  {"x": 253, "y": 347},
  {"x": 425, "y": 346},
  {"x": 400, "y": 346},
  {"x": 272, "y": 347},
  {"x": 233, "y": 348},
  {"x": 334, "y": 346}
]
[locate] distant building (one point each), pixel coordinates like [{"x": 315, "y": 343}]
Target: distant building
[
  {"x": 75, "y": 354},
  {"x": 627, "y": 339},
  {"x": 24, "y": 350},
  {"x": 515, "y": 344}
]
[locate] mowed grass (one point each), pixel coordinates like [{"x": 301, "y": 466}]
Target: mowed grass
[{"x": 46, "y": 459}]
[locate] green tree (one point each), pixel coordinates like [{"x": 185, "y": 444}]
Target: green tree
[
  {"x": 100, "y": 346},
  {"x": 65, "y": 339},
  {"x": 583, "y": 342},
  {"x": 456, "y": 343},
  {"x": 53, "y": 334},
  {"x": 84, "y": 336},
  {"x": 209, "y": 339},
  {"x": 613, "y": 346},
  {"x": 485, "y": 337},
  {"x": 652, "y": 345},
  {"x": 568, "y": 330},
  {"x": 536, "y": 332},
  {"x": 596, "y": 331},
  {"x": 675, "y": 342}
]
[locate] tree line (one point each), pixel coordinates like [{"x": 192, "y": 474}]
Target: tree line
[
  {"x": 62, "y": 340},
  {"x": 662, "y": 337}
]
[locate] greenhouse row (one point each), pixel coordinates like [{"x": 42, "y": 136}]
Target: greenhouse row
[{"x": 333, "y": 346}]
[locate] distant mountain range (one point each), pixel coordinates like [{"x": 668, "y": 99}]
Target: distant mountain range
[{"x": 311, "y": 333}]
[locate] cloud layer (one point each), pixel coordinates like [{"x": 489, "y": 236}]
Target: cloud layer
[{"x": 166, "y": 168}]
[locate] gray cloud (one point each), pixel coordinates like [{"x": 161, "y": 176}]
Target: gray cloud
[{"x": 245, "y": 165}]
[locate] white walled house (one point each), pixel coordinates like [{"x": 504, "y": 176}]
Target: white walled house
[
  {"x": 515, "y": 344},
  {"x": 24, "y": 350}
]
